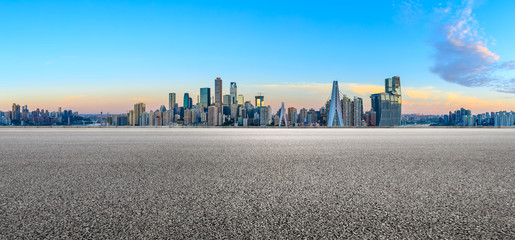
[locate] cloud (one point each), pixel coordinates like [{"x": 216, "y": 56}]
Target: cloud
[
  {"x": 49, "y": 63},
  {"x": 363, "y": 89},
  {"x": 408, "y": 11},
  {"x": 461, "y": 53},
  {"x": 422, "y": 93}
]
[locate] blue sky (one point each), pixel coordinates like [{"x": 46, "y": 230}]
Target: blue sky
[{"x": 97, "y": 56}]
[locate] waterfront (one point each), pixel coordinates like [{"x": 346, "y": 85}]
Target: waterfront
[{"x": 257, "y": 183}]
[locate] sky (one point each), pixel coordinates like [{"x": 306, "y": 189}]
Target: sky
[{"x": 105, "y": 56}]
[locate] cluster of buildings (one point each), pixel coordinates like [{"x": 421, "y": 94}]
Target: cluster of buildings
[
  {"x": 234, "y": 110},
  {"x": 464, "y": 117},
  {"x": 22, "y": 116},
  {"x": 209, "y": 110},
  {"x": 213, "y": 108}
]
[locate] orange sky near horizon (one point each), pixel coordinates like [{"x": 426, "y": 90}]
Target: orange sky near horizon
[{"x": 424, "y": 100}]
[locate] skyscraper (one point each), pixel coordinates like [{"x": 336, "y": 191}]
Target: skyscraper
[
  {"x": 387, "y": 105},
  {"x": 171, "y": 101},
  {"x": 260, "y": 101},
  {"x": 205, "y": 97},
  {"x": 218, "y": 93},
  {"x": 16, "y": 114},
  {"x": 186, "y": 101},
  {"x": 212, "y": 115},
  {"x": 234, "y": 93},
  {"x": 227, "y": 100},
  {"x": 139, "y": 108},
  {"x": 241, "y": 100},
  {"x": 357, "y": 114}
]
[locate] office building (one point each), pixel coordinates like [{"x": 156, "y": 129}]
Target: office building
[
  {"x": 212, "y": 115},
  {"x": 357, "y": 112},
  {"x": 227, "y": 100},
  {"x": 387, "y": 105},
  {"x": 234, "y": 93},
  {"x": 241, "y": 100},
  {"x": 171, "y": 101},
  {"x": 139, "y": 108},
  {"x": 205, "y": 98},
  {"x": 186, "y": 100},
  {"x": 218, "y": 93},
  {"x": 260, "y": 101}
]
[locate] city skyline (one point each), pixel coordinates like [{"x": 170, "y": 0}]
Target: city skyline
[{"x": 450, "y": 55}]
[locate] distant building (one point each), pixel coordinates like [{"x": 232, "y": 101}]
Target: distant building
[
  {"x": 218, "y": 93},
  {"x": 292, "y": 116},
  {"x": 212, "y": 115},
  {"x": 171, "y": 101},
  {"x": 227, "y": 100},
  {"x": 188, "y": 119},
  {"x": 139, "y": 108},
  {"x": 234, "y": 93},
  {"x": 16, "y": 113},
  {"x": 260, "y": 101},
  {"x": 205, "y": 98},
  {"x": 241, "y": 100},
  {"x": 387, "y": 105},
  {"x": 186, "y": 101},
  {"x": 265, "y": 116},
  {"x": 357, "y": 112}
]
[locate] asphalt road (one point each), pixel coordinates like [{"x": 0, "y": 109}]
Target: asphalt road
[{"x": 257, "y": 183}]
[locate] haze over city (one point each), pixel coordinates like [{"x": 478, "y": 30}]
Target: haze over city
[{"x": 92, "y": 56}]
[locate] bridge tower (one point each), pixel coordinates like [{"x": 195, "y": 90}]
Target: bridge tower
[
  {"x": 335, "y": 106},
  {"x": 283, "y": 116}
]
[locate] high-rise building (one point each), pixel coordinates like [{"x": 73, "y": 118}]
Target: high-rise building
[
  {"x": 188, "y": 116},
  {"x": 227, "y": 100},
  {"x": 212, "y": 115},
  {"x": 139, "y": 108},
  {"x": 16, "y": 113},
  {"x": 205, "y": 98},
  {"x": 265, "y": 116},
  {"x": 260, "y": 101},
  {"x": 218, "y": 93},
  {"x": 357, "y": 114},
  {"x": 241, "y": 100},
  {"x": 171, "y": 101},
  {"x": 234, "y": 93},
  {"x": 186, "y": 101},
  {"x": 346, "y": 111},
  {"x": 292, "y": 116},
  {"x": 387, "y": 105}
]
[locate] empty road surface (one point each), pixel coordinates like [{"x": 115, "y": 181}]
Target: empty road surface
[{"x": 257, "y": 183}]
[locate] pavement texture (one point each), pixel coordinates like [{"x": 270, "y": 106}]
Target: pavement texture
[{"x": 257, "y": 183}]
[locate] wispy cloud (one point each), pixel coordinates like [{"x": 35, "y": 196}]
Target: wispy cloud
[
  {"x": 461, "y": 49},
  {"x": 364, "y": 89},
  {"x": 461, "y": 53},
  {"x": 49, "y": 63}
]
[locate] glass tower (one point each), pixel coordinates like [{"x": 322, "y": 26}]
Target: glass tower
[
  {"x": 186, "y": 102},
  {"x": 387, "y": 105},
  {"x": 205, "y": 97}
]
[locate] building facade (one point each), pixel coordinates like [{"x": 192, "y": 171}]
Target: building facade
[{"x": 388, "y": 105}]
